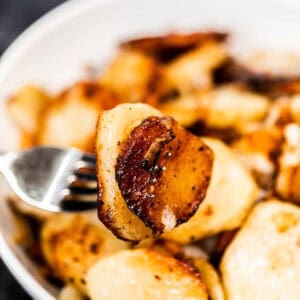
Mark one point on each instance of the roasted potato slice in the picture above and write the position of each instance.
(144, 274)
(229, 198)
(210, 278)
(288, 178)
(168, 47)
(113, 128)
(193, 70)
(163, 172)
(275, 64)
(258, 150)
(263, 261)
(72, 243)
(184, 109)
(154, 158)
(132, 76)
(231, 107)
(27, 106)
(70, 121)
(69, 292)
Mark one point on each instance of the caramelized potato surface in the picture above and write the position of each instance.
(163, 172)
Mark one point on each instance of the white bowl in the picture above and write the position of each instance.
(54, 51)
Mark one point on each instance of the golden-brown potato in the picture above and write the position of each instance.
(193, 70)
(70, 121)
(132, 76)
(167, 47)
(72, 243)
(231, 106)
(139, 163)
(184, 109)
(27, 106)
(163, 172)
(144, 274)
(229, 198)
(263, 260)
(210, 278)
(258, 150)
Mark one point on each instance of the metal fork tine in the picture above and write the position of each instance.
(85, 164)
(76, 181)
(85, 176)
(90, 158)
(82, 190)
(74, 205)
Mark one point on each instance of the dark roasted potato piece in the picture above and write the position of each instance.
(163, 172)
(274, 85)
(168, 47)
(70, 121)
(144, 274)
(151, 160)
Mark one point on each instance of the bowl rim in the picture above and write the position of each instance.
(52, 19)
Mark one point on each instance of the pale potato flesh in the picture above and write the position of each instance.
(229, 198)
(210, 278)
(230, 106)
(144, 274)
(263, 260)
(113, 127)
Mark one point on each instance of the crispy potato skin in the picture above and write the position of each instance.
(70, 121)
(112, 129)
(168, 47)
(144, 274)
(72, 243)
(163, 169)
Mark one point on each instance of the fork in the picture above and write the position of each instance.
(52, 179)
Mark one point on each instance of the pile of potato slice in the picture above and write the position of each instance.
(198, 167)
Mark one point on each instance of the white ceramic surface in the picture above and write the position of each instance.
(54, 51)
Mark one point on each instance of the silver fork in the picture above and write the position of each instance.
(52, 179)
